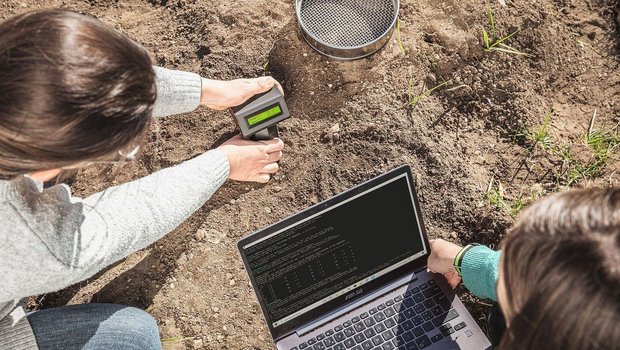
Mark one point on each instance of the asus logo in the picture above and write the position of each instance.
(353, 294)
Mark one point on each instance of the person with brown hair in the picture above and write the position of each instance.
(557, 277)
(72, 92)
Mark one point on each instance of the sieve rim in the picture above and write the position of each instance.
(354, 52)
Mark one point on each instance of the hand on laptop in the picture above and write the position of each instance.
(252, 160)
(441, 260)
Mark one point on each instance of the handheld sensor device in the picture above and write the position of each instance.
(257, 118)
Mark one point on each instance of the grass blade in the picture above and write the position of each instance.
(398, 37)
(485, 37)
(507, 50)
(504, 39)
(490, 13)
(414, 101)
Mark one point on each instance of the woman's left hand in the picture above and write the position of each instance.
(220, 94)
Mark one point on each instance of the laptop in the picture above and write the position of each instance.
(351, 273)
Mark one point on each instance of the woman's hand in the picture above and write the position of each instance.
(252, 160)
(219, 94)
(441, 260)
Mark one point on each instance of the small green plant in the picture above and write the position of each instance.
(413, 100)
(512, 205)
(584, 44)
(494, 43)
(172, 340)
(498, 199)
(573, 169)
(399, 40)
(602, 143)
(540, 136)
(265, 66)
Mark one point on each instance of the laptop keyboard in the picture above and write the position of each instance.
(408, 321)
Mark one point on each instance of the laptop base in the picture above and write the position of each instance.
(420, 311)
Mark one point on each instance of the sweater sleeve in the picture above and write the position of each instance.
(51, 240)
(129, 217)
(479, 270)
(177, 92)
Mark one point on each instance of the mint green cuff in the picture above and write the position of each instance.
(480, 269)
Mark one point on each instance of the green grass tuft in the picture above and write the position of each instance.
(513, 206)
(602, 143)
(494, 43)
(540, 136)
(413, 100)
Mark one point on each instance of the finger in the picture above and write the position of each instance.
(453, 279)
(274, 145)
(264, 84)
(270, 168)
(275, 156)
(262, 178)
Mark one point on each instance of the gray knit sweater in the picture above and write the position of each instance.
(51, 240)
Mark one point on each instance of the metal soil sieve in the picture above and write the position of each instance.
(347, 29)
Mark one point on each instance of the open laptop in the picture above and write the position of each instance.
(350, 273)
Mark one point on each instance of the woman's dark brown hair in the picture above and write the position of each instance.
(72, 90)
(561, 271)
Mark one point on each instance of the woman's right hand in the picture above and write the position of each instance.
(252, 161)
(441, 260)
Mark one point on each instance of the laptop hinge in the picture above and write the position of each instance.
(308, 327)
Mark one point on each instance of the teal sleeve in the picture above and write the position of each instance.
(479, 269)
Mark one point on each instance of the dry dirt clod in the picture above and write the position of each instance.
(335, 128)
(198, 344)
(332, 133)
(200, 235)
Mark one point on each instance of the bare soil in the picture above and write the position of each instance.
(469, 142)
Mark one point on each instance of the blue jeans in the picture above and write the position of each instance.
(95, 326)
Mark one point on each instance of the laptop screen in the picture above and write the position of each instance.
(335, 251)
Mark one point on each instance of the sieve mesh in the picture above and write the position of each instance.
(347, 23)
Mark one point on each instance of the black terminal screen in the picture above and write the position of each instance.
(316, 260)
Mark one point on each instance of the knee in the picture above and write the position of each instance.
(138, 327)
(95, 326)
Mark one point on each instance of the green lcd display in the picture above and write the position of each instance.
(265, 115)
